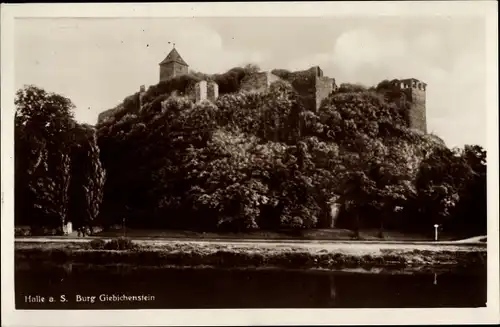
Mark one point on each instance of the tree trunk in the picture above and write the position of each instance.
(357, 224)
(381, 228)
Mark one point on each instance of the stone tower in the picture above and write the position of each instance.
(173, 65)
(413, 95)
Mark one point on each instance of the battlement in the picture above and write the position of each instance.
(411, 83)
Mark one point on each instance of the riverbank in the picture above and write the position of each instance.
(224, 254)
(329, 234)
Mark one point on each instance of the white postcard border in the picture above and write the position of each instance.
(12, 317)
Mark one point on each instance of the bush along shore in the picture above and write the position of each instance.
(125, 251)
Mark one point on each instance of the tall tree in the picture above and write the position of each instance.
(44, 122)
(88, 177)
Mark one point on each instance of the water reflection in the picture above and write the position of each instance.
(250, 288)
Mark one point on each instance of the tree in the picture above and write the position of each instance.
(252, 68)
(59, 177)
(227, 185)
(441, 180)
(88, 177)
(44, 122)
(351, 88)
(472, 207)
(378, 157)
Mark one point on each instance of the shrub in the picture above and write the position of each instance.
(121, 243)
(97, 244)
(22, 231)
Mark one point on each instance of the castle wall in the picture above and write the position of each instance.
(324, 87)
(311, 85)
(417, 109)
(201, 91)
(258, 81)
(206, 91)
(171, 70)
(212, 91)
(305, 85)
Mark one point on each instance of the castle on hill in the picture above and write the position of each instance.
(318, 87)
(314, 88)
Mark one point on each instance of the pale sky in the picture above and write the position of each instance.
(98, 62)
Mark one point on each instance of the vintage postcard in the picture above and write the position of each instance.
(250, 163)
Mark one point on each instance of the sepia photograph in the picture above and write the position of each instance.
(235, 160)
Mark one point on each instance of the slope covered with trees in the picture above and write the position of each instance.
(261, 161)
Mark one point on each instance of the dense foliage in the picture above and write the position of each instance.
(59, 176)
(259, 161)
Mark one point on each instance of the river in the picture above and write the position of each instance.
(74, 286)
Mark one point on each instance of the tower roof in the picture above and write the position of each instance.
(174, 56)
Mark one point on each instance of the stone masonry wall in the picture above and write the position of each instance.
(324, 87)
(305, 85)
(206, 91)
(172, 69)
(416, 112)
(201, 91)
(212, 91)
(258, 81)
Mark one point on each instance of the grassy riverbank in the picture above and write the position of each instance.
(252, 255)
(330, 234)
(307, 234)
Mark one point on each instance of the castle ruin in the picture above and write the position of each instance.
(206, 90)
(311, 85)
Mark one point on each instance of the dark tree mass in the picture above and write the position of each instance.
(249, 160)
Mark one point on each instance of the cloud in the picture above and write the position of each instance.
(455, 95)
(98, 70)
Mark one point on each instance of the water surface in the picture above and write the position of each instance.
(191, 288)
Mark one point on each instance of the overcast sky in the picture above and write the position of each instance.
(98, 62)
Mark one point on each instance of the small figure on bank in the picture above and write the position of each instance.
(83, 231)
